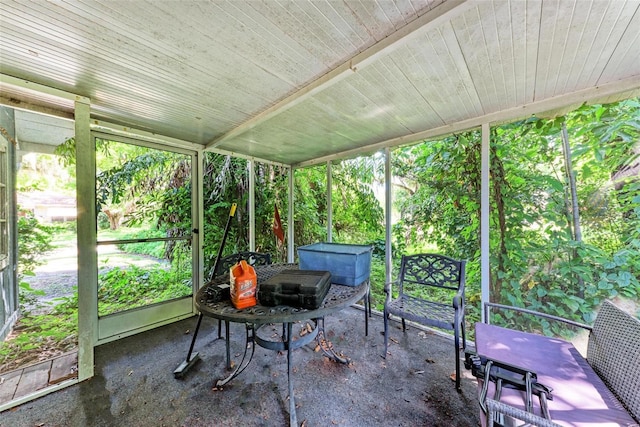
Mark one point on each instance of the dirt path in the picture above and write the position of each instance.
(58, 276)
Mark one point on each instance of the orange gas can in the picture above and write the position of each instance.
(243, 285)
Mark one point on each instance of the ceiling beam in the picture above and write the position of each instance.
(504, 116)
(38, 88)
(18, 104)
(61, 104)
(431, 19)
(36, 147)
(132, 133)
(156, 138)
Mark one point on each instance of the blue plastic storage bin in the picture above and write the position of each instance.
(349, 264)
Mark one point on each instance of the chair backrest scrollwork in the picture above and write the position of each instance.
(432, 270)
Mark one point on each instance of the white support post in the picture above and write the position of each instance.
(198, 220)
(484, 220)
(252, 205)
(86, 235)
(329, 203)
(290, 219)
(387, 215)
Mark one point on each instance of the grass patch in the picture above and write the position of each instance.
(37, 337)
(126, 288)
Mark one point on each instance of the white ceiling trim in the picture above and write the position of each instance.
(437, 16)
(503, 116)
(10, 80)
(36, 108)
(130, 133)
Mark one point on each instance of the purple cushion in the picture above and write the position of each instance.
(580, 398)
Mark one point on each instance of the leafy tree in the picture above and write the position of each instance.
(34, 240)
(535, 258)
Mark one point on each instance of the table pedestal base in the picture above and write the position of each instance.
(289, 344)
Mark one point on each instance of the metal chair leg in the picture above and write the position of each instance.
(293, 418)
(386, 333)
(457, 344)
(367, 312)
(227, 343)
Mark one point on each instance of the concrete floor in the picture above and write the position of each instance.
(134, 383)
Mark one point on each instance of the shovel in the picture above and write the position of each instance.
(192, 358)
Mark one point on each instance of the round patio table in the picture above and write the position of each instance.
(337, 298)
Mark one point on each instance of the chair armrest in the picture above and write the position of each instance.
(388, 288)
(494, 408)
(458, 300)
(488, 305)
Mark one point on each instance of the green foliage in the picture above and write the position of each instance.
(59, 326)
(34, 240)
(154, 249)
(226, 181)
(377, 282)
(126, 288)
(310, 190)
(29, 298)
(357, 214)
(31, 177)
(137, 177)
(535, 260)
(439, 202)
(103, 221)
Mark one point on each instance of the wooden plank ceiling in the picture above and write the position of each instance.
(299, 82)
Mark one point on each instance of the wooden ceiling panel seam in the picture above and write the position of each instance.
(533, 18)
(545, 39)
(625, 58)
(392, 13)
(601, 48)
(507, 50)
(406, 102)
(346, 123)
(156, 41)
(629, 85)
(359, 9)
(566, 46)
(332, 47)
(393, 41)
(480, 62)
(261, 45)
(122, 85)
(515, 36)
(144, 64)
(597, 56)
(430, 74)
(406, 68)
(318, 139)
(447, 45)
(403, 86)
(342, 26)
(63, 58)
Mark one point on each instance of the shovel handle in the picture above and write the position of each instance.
(232, 212)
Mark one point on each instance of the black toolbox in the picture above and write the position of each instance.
(296, 288)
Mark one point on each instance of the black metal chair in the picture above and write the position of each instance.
(225, 264)
(430, 291)
(252, 258)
